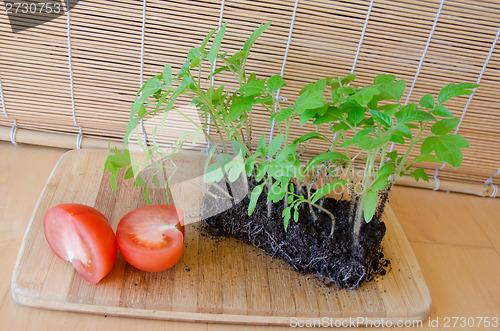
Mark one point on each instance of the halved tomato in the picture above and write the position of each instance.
(151, 238)
(83, 236)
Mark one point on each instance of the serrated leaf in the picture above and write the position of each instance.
(253, 88)
(364, 96)
(355, 115)
(274, 83)
(318, 86)
(308, 100)
(326, 189)
(275, 145)
(447, 148)
(384, 78)
(254, 197)
(427, 101)
(454, 90)
(389, 109)
(442, 111)
(240, 106)
(371, 199)
(381, 118)
(282, 115)
(444, 126)
(419, 173)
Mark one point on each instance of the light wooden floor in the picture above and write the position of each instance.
(456, 239)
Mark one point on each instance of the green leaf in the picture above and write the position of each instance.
(364, 96)
(380, 180)
(132, 124)
(427, 101)
(167, 75)
(254, 197)
(261, 171)
(214, 49)
(286, 214)
(425, 158)
(442, 111)
(240, 106)
(371, 199)
(205, 40)
(131, 171)
(403, 130)
(327, 156)
(419, 173)
(390, 109)
(454, 90)
(253, 88)
(262, 143)
(151, 86)
(308, 100)
(384, 78)
(275, 145)
(381, 118)
(332, 114)
(274, 83)
(395, 138)
(356, 115)
(318, 86)
(277, 192)
(396, 89)
(365, 142)
(447, 148)
(282, 115)
(444, 126)
(327, 188)
(411, 113)
(253, 37)
(309, 136)
(237, 167)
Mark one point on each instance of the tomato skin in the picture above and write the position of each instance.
(151, 238)
(83, 236)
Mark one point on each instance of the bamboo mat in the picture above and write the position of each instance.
(222, 281)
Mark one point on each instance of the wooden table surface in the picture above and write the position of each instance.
(454, 236)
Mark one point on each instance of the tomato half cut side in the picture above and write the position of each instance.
(81, 235)
(151, 238)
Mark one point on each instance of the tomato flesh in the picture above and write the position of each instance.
(151, 238)
(82, 236)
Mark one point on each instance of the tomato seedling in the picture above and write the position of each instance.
(82, 236)
(151, 238)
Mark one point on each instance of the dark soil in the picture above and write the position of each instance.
(307, 245)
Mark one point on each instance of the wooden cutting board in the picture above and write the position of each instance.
(216, 280)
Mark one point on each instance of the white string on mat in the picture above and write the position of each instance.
(285, 56)
(493, 45)
(13, 130)
(209, 117)
(79, 137)
(424, 53)
(141, 74)
(489, 181)
(362, 37)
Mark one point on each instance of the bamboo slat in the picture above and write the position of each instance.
(106, 56)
